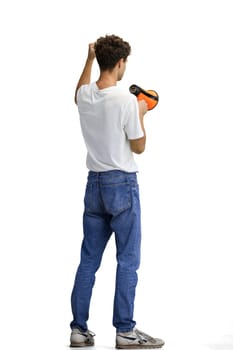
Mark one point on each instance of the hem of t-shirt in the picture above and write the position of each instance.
(107, 171)
(136, 137)
(112, 169)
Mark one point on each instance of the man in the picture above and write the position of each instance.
(113, 129)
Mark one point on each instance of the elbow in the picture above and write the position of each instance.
(138, 145)
(139, 150)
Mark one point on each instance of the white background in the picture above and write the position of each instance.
(183, 50)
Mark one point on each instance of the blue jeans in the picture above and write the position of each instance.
(112, 204)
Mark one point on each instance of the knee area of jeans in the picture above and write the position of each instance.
(129, 263)
(128, 269)
(90, 267)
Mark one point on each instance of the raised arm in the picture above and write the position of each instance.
(138, 145)
(85, 77)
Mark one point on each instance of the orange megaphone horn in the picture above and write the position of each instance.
(150, 96)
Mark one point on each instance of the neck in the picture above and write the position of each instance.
(106, 80)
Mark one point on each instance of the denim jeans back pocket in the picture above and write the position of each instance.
(92, 200)
(116, 197)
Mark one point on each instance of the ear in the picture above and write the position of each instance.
(120, 62)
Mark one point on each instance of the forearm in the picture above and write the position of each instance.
(142, 141)
(138, 145)
(141, 117)
(85, 77)
(142, 112)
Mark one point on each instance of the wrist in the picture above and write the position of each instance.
(90, 59)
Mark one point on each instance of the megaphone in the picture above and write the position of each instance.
(151, 97)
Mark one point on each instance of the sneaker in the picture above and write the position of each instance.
(137, 340)
(79, 338)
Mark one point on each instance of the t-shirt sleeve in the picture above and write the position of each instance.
(79, 92)
(132, 124)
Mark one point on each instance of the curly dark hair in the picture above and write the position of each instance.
(109, 50)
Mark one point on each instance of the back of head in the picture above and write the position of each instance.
(109, 50)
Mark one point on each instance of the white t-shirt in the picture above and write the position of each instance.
(109, 119)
